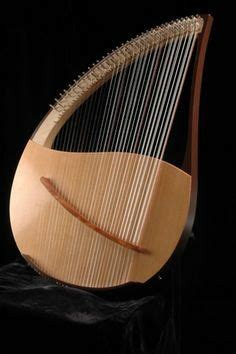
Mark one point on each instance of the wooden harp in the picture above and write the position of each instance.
(93, 203)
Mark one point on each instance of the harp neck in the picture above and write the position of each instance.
(190, 164)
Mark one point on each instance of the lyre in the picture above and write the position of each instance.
(102, 209)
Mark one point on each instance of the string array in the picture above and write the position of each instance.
(129, 117)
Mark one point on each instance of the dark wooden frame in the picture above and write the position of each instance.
(190, 164)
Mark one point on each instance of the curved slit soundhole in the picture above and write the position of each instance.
(72, 210)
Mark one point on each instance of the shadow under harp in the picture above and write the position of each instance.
(94, 203)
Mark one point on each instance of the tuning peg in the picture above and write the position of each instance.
(58, 102)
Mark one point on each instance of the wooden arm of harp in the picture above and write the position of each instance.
(71, 209)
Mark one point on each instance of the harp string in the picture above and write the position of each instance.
(145, 91)
(117, 253)
(67, 226)
(128, 220)
(155, 119)
(90, 142)
(125, 142)
(112, 97)
(130, 96)
(96, 111)
(94, 242)
(87, 268)
(75, 227)
(117, 146)
(157, 93)
(107, 139)
(125, 126)
(109, 125)
(54, 215)
(164, 63)
(123, 218)
(134, 139)
(53, 211)
(64, 139)
(176, 86)
(128, 142)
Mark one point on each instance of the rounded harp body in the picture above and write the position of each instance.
(106, 214)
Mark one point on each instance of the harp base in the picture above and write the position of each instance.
(66, 249)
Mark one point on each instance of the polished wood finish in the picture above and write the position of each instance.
(60, 245)
(71, 209)
(190, 164)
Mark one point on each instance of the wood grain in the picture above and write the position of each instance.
(63, 247)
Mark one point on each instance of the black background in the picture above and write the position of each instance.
(44, 45)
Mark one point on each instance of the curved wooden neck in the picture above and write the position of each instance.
(190, 164)
(102, 72)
